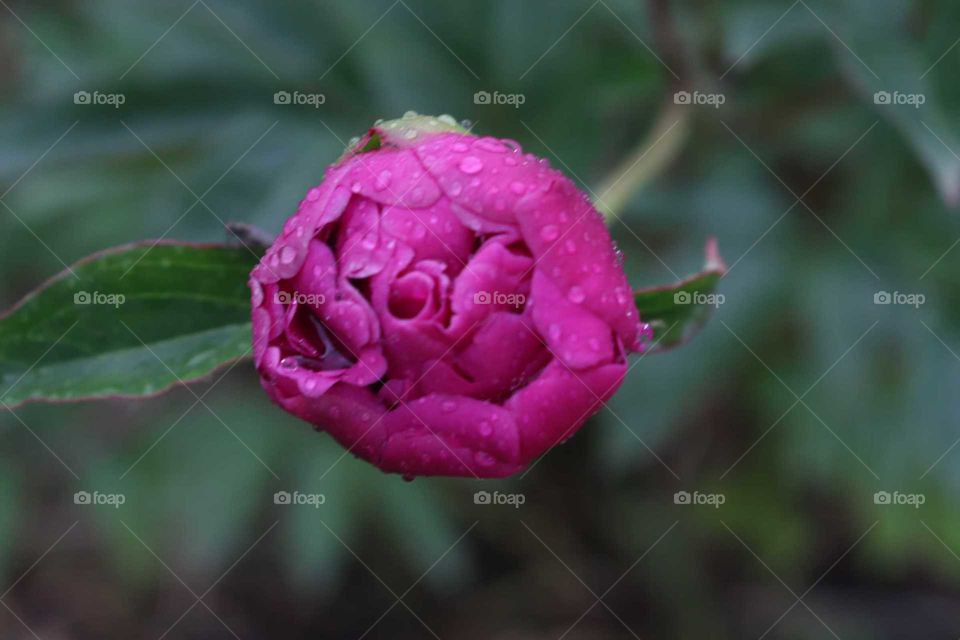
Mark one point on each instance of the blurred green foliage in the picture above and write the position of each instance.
(879, 184)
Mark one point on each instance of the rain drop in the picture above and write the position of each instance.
(549, 232)
(554, 332)
(484, 459)
(471, 165)
(287, 254)
(490, 144)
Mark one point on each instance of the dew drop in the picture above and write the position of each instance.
(576, 295)
(460, 147)
(518, 187)
(355, 187)
(448, 406)
(455, 189)
(287, 254)
(256, 291)
(485, 429)
(549, 232)
(313, 194)
(484, 459)
(490, 144)
(553, 332)
(471, 165)
(383, 180)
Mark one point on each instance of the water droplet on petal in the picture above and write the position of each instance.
(460, 147)
(313, 194)
(287, 254)
(484, 459)
(518, 187)
(549, 232)
(455, 189)
(355, 187)
(485, 429)
(383, 180)
(576, 295)
(256, 290)
(471, 165)
(553, 332)
(448, 406)
(490, 144)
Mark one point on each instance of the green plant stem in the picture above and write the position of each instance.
(646, 161)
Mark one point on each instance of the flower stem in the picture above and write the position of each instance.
(646, 161)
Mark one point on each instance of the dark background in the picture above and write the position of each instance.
(799, 401)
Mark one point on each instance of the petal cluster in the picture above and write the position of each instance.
(443, 304)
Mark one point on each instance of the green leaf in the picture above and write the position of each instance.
(676, 312)
(130, 321)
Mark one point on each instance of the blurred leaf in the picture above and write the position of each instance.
(131, 321)
(676, 312)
